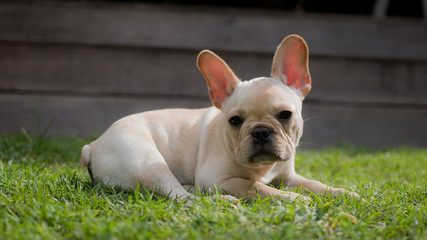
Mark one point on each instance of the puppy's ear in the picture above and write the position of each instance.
(290, 64)
(220, 78)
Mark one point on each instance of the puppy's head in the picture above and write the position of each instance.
(262, 121)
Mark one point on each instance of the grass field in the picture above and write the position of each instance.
(44, 194)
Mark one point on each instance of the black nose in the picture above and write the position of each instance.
(261, 135)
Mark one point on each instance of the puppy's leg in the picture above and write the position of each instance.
(240, 187)
(126, 159)
(158, 177)
(168, 185)
(317, 187)
(190, 188)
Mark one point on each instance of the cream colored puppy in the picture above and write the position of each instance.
(240, 146)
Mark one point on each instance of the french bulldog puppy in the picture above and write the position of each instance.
(240, 146)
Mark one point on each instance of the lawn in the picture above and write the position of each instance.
(44, 194)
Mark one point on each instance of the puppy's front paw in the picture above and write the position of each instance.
(342, 191)
(303, 199)
(227, 198)
(352, 194)
(295, 197)
(189, 200)
(356, 196)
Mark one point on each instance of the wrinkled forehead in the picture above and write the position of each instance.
(265, 93)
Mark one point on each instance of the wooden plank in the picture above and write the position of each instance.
(365, 81)
(77, 115)
(141, 25)
(380, 8)
(100, 70)
(363, 126)
(324, 125)
(87, 70)
(424, 3)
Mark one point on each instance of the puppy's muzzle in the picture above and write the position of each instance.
(263, 150)
(262, 141)
(261, 135)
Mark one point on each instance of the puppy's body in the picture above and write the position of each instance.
(116, 156)
(183, 147)
(246, 141)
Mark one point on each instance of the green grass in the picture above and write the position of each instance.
(44, 194)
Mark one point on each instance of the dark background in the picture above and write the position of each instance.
(74, 67)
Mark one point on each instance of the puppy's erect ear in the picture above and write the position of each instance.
(290, 64)
(220, 78)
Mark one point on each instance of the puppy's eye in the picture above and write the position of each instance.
(284, 115)
(235, 121)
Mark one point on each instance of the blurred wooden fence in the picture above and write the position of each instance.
(83, 65)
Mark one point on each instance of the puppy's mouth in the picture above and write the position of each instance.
(263, 147)
(264, 154)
